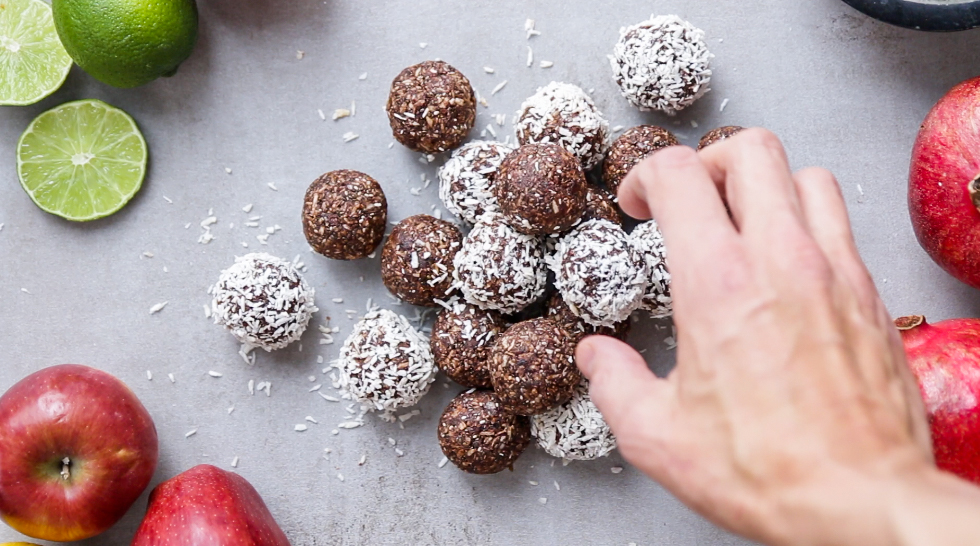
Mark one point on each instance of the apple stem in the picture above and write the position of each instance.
(974, 188)
(65, 473)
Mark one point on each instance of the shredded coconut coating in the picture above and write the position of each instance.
(467, 180)
(499, 268)
(662, 64)
(600, 275)
(385, 363)
(263, 301)
(563, 114)
(575, 430)
(648, 240)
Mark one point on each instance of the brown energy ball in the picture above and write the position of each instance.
(431, 107)
(632, 147)
(719, 134)
(541, 189)
(578, 329)
(461, 340)
(600, 205)
(563, 114)
(532, 367)
(344, 215)
(417, 261)
(479, 437)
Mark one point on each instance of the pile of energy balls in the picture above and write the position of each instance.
(545, 261)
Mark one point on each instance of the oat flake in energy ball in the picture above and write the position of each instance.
(431, 107)
(662, 64)
(600, 275)
(499, 268)
(575, 430)
(478, 436)
(385, 364)
(263, 301)
(466, 181)
(648, 240)
(563, 114)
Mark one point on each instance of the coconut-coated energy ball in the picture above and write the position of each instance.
(385, 364)
(563, 114)
(541, 189)
(630, 148)
(647, 239)
(417, 260)
(576, 328)
(599, 273)
(662, 64)
(532, 367)
(431, 107)
(719, 134)
(461, 340)
(263, 301)
(345, 215)
(600, 205)
(467, 180)
(478, 436)
(499, 268)
(575, 430)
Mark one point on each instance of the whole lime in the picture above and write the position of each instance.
(127, 43)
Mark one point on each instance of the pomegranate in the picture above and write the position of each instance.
(944, 183)
(945, 359)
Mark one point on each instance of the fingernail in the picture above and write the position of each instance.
(584, 357)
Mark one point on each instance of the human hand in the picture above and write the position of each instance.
(791, 409)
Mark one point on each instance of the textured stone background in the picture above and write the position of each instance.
(843, 91)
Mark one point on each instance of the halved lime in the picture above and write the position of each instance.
(82, 160)
(33, 63)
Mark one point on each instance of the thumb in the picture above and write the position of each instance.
(629, 396)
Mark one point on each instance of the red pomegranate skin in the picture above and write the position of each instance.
(945, 161)
(945, 359)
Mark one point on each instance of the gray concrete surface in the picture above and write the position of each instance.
(843, 91)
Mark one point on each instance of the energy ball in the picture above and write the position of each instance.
(431, 107)
(467, 180)
(479, 437)
(541, 189)
(499, 268)
(647, 239)
(662, 64)
(563, 114)
(575, 430)
(532, 367)
(263, 301)
(461, 339)
(385, 363)
(600, 275)
(417, 259)
(576, 328)
(719, 134)
(632, 147)
(344, 215)
(600, 205)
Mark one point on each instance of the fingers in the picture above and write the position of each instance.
(674, 186)
(628, 394)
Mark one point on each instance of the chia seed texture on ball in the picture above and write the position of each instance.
(466, 181)
(417, 260)
(541, 189)
(461, 340)
(563, 114)
(263, 301)
(478, 436)
(431, 107)
(344, 215)
(662, 64)
(630, 148)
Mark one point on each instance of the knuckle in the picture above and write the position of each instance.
(673, 157)
(759, 137)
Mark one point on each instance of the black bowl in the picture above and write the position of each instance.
(934, 15)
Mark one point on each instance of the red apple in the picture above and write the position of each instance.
(207, 506)
(945, 359)
(944, 183)
(77, 448)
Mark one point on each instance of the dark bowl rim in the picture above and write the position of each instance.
(915, 15)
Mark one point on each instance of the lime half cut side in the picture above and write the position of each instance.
(33, 63)
(82, 160)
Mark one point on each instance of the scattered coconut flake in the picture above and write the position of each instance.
(532, 482)
(349, 136)
(616, 469)
(319, 112)
(724, 103)
(153, 310)
(362, 77)
(213, 373)
(190, 433)
(529, 28)
(488, 70)
(251, 386)
(234, 462)
(423, 45)
(228, 170)
(543, 500)
(329, 398)
(146, 254)
(231, 409)
(341, 113)
(149, 375)
(499, 87)
(340, 477)
(443, 461)
(170, 376)
(300, 428)
(335, 432)
(557, 487)
(399, 452)
(300, 54)
(547, 64)
(167, 199)
(530, 57)
(362, 460)
(272, 186)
